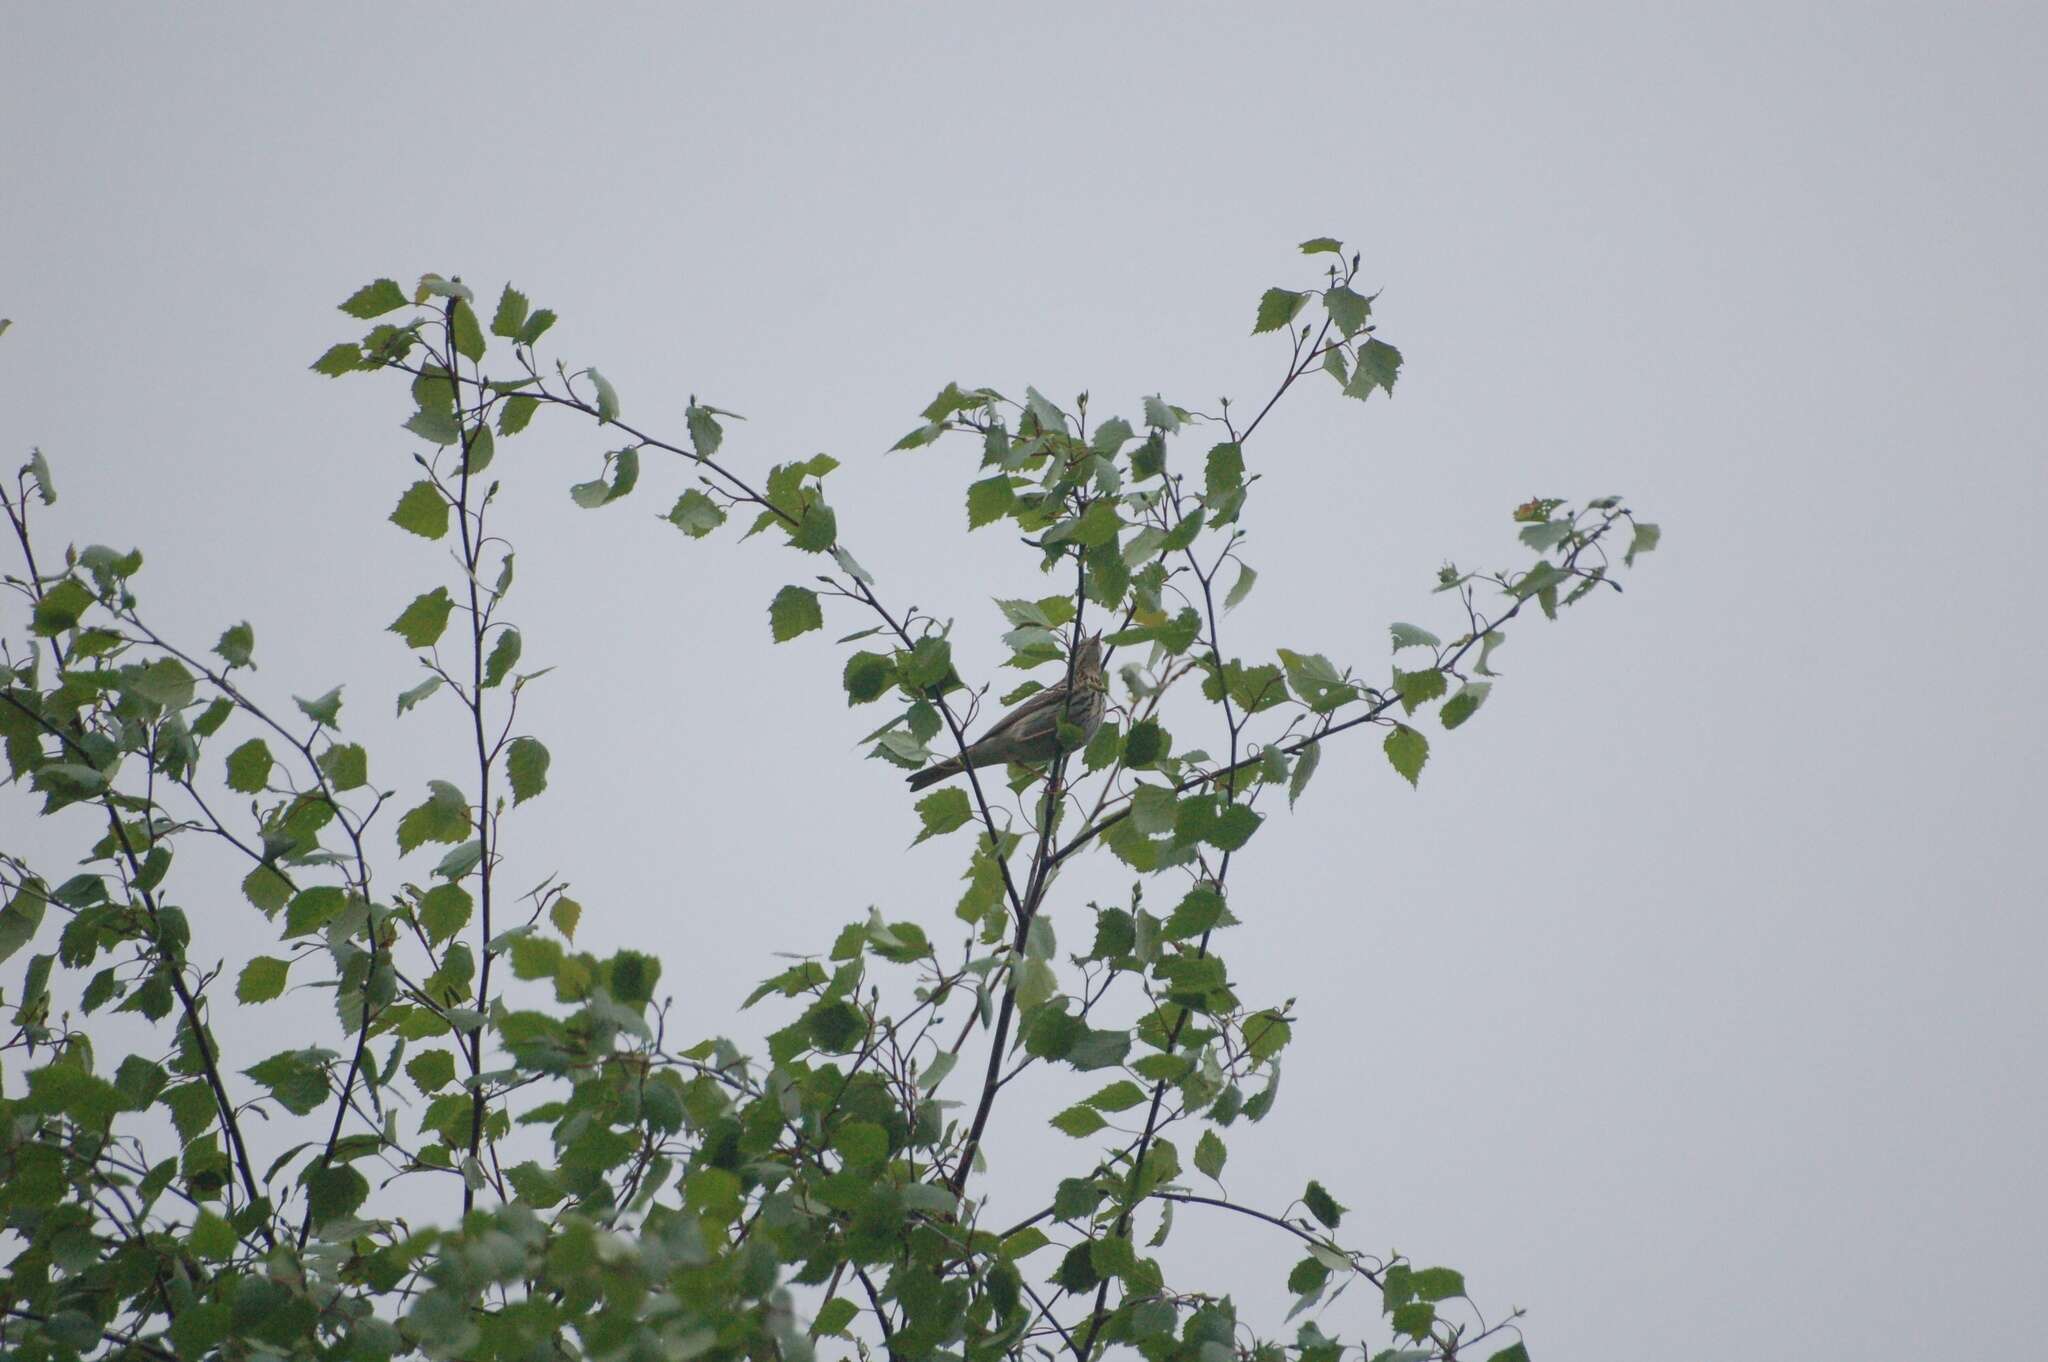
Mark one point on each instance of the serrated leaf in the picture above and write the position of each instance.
(422, 511)
(469, 333)
(1419, 688)
(565, 913)
(504, 656)
(336, 360)
(526, 766)
(422, 623)
(607, 396)
(1322, 1206)
(942, 811)
(1465, 703)
(794, 611)
(989, 500)
(1161, 415)
(511, 314)
(1210, 1155)
(460, 860)
(1322, 243)
(1348, 310)
(374, 299)
(346, 765)
(1278, 308)
(323, 709)
(1379, 364)
(262, 979)
(1412, 636)
(706, 435)
(1407, 750)
(696, 514)
(408, 698)
(1646, 538)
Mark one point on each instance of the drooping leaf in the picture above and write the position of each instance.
(1278, 307)
(422, 623)
(422, 511)
(374, 299)
(696, 514)
(794, 611)
(1407, 750)
(262, 979)
(526, 767)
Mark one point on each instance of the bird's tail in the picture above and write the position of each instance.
(932, 775)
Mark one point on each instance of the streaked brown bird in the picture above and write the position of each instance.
(1030, 733)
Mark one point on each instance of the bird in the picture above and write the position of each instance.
(1030, 732)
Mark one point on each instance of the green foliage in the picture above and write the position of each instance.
(499, 1149)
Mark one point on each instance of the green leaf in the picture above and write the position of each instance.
(625, 474)
(1514, 1352)
(460, 860)
(249, 767)
(323, 709)
(816, 530)
(1078, 1121)
(1277, 309)
(374, 299)
(1161, 415)
(1304, 767)
(444, 910)
(607, 396)
(942, 811)
(1316, 680)
(346, 765)
(1437, 1283)
(1246, 579)
(422, 623)
(1410, 636)
(504, 656)
(294, 1078)
(696, 514)
(1121, 1095)
(1407, 750)
(267, 888)
(1379, 364)
(1419, 688)
(1346, 308)
(565, 913)
(516, 413)
(408, 698)
(21, 917)
(167, 682)
(437, 425)
(336, 360)
(422, 511)
(511, 314)
(442, 817)
(526, 766)
(1225, 469)
(867, 676)
(1322, 1206)
(794, 611)
(60, 608)
(333, 1191)
(237, 644)
(1322, 243)
(1462, 706)
(1646, 539)
(537, 324)
(469, 333)
(989, 500)
(261, 980)
(1210, 1154)
(431, 1070)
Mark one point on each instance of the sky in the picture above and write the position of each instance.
(1692, 1000)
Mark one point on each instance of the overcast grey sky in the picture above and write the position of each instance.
(1692, 1002)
